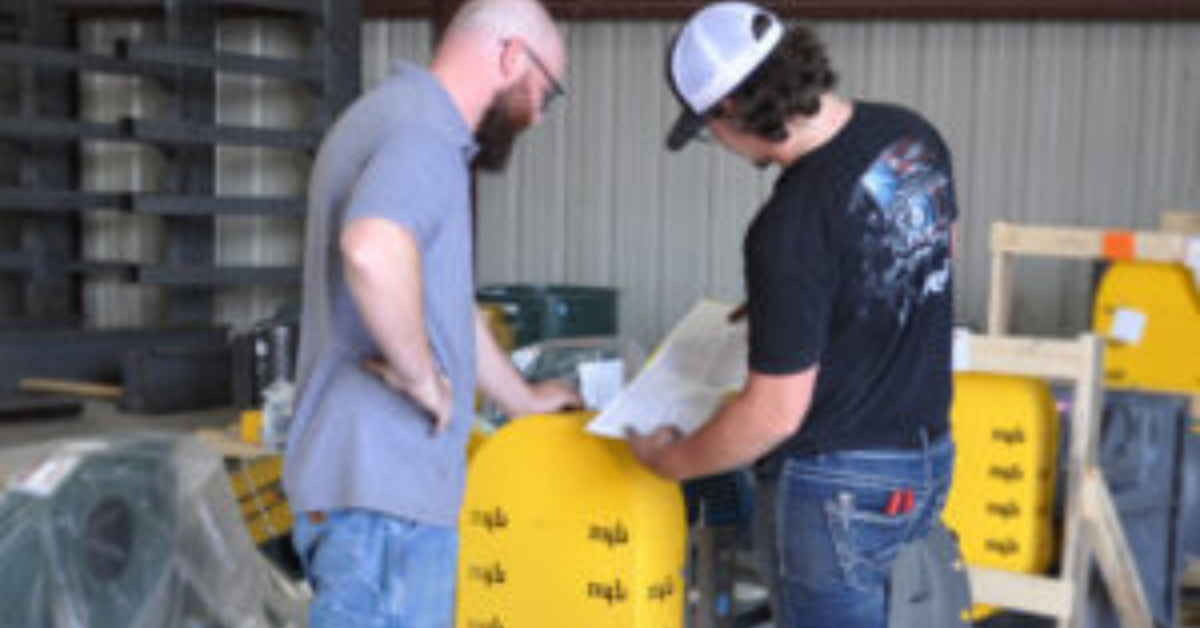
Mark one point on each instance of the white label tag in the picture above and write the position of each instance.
(962, 349)
(1127, 326)
(44, 479)
(601, 382)
(1193, 259)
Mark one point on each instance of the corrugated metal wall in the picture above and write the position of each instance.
(1052, 123)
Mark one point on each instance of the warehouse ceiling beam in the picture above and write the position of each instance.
(846, 9)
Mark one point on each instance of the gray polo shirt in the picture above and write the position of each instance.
(402, 153)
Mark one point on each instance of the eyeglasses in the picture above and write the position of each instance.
(556, 89)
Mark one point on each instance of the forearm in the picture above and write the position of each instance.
(768, 411)
(730, 440)
(498, 378)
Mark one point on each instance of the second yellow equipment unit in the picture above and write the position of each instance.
(1150, 313)
(562, 528)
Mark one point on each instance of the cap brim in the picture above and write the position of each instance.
(684, 129)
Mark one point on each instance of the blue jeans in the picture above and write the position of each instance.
(829, 527)
(369, 570)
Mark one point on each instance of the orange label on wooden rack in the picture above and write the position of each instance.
(1118, 245)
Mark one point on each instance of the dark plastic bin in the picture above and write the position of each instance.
(543, 312)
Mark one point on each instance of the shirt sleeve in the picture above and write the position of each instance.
(946, 164)
(791, 279)
(400, 182)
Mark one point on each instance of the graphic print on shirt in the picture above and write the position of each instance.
(904, 203)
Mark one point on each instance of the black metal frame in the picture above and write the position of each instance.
(42, 203)
(41, 134)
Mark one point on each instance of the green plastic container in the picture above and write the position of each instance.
(543, 312)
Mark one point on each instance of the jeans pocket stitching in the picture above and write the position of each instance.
(838, 523)
(856, 561)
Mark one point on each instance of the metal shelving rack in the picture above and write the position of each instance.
(42, 133)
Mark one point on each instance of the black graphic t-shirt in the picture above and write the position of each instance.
(848, 268)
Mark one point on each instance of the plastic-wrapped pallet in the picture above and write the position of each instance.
(129, 532)
(561, 528)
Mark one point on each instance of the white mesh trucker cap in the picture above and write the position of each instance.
(719, 47)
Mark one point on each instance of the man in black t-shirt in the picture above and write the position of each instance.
(844, 414)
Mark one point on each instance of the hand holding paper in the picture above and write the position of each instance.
(702, 360)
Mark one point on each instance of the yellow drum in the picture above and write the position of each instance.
(1006, 431)
(561, 528)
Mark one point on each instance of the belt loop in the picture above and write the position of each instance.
(926, 456)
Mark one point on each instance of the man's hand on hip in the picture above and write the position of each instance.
(433, 394)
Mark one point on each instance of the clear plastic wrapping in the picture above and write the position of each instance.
(569, 359)
(133, 531)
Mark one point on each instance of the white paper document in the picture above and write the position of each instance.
(600, 382)
(702, 360)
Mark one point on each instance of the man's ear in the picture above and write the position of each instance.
(512, 60)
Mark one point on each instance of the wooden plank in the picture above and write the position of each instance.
(227, 445)
(1085, 444)
(1085, 243)
(70, 387)
(1037, 595)
(1085, 422)
(1000, 292)
(1179, 221)
(1035, 357)
(1113, 554)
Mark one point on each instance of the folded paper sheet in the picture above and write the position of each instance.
(702, 360)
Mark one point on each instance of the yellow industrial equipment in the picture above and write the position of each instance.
(250, 426)
(475, 442)
(256, 485)
(1006, 431)
(561, 528)
(1150, 312)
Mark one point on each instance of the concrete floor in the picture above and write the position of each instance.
(105, 418)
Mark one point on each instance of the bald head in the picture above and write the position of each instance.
(501, 50)
(526, 20)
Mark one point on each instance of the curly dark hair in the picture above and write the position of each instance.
(789, 82)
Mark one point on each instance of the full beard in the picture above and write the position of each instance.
(497, 133)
